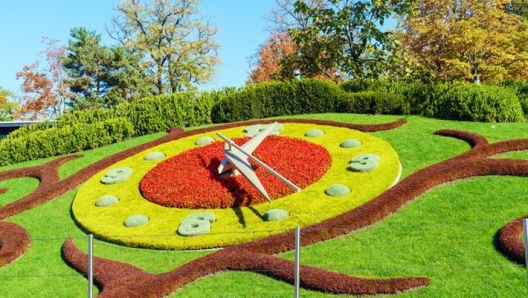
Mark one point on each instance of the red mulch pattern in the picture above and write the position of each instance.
(14, 241)
(509, 240)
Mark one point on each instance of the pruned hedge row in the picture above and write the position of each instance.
(160, 113)
(59, 140)
(466, 102)
(81, 130)
(302, 97)
(521, 90)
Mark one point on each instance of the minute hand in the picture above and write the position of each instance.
(265, 166)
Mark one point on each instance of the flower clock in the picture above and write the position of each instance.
(172, 196)
(181, 192)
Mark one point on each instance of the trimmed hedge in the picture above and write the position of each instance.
(276, 99)
(373, 102)
(480, 103)
(81, 130)
(466, 102)
(302, 97)
(59, 140)
(521, 90)
(89, 129)
(160, 113)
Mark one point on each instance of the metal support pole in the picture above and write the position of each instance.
(90, 265)
(525, 233)
(297, 260)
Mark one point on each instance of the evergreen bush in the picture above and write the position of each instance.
(521, 90)
(277, 99)
(373, 102)
(483, 103)
(59, 140)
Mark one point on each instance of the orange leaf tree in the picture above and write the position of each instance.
(44, 93)
(266, 65)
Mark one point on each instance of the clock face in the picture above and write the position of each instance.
(170, 196)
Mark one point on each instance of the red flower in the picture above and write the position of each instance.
(190, 179)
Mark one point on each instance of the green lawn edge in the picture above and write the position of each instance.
(376, 251)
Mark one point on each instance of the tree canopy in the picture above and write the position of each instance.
(101, 76)
(266, 64)
(177, 47)
(339, 36)
(8, 108)
(462, 39)
(44, 92)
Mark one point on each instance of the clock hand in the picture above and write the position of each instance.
(245, 169)
(252, 144)
(249, 146)
(242, 165)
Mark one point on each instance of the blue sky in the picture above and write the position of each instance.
(23, 23)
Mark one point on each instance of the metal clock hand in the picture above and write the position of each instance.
(237, 157)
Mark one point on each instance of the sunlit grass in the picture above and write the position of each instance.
(447, 234)
(16, 189)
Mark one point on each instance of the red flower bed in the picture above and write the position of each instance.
(190, 179)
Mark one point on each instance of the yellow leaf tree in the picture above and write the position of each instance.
(465, 39)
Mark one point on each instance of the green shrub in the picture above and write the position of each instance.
(373, 102)
(355, 86)
(392, 87)
(276, 99)
(81, 130)
(160, 113)
(61, 139)
(482, 103)
(457, 101)
(521, 90)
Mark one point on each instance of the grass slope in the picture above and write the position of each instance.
(446, 234)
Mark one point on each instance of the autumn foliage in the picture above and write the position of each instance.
(464, 39)
(43, 88)
(267, 65)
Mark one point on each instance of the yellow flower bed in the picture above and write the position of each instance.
(234, 225)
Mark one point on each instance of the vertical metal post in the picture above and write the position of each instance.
(525, 233)
(90, 265)
(297, 260)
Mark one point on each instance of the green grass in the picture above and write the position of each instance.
(17, 188)
(446, 234)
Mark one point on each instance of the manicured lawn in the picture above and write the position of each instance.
(447, 234)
